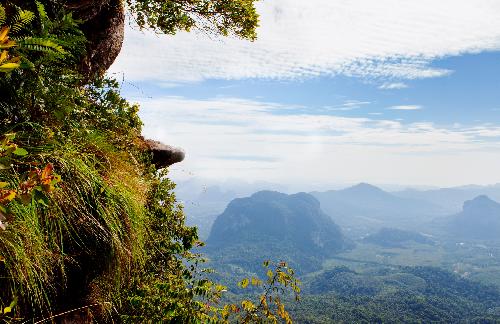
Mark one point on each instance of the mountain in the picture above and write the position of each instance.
(451, 199)
(479, 219)
(205, 199)
(365, 207)
(274, 225)
(392, 237)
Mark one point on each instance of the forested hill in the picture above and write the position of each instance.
(293, 219)
(275, 225)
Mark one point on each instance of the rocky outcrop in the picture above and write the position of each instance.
(163, 155)
(104, 25)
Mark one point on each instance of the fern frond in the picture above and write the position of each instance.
(41, 45)
(3, 15)
(41, 11)
(21, 20)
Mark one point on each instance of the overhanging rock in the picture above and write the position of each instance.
(164, 155)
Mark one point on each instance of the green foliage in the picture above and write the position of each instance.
(270, 307)
(85, 218)
(226, 17)
(18, 40)
(170, 287)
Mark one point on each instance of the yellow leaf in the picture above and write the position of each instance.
(256, 281)
(3, 33)
(7, 44)
(7, 310)
(3, 184)
(8, 67)
(7, 196)
(244, 283)
(3, 56)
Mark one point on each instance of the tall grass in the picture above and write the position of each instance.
(93, 228)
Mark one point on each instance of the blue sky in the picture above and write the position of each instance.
(356, 91)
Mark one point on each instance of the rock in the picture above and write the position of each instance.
(86, 9)
(104, 28)
(164, 155)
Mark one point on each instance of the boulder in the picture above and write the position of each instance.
(163, 155)
(104, 28)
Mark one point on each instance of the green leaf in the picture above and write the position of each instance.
(20, 152)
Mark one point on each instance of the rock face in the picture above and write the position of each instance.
(104, 28)
(163, 155)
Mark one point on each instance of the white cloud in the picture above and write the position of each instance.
(251, 140)
(298, 39)
(347, 105)
(405, 107)
(393, 86)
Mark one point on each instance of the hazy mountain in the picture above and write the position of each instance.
(451, 199)
(205, 199)
(479, 219)
(364, 206)
(275, 225)
(392, 237)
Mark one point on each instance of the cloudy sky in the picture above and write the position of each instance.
(333, 91)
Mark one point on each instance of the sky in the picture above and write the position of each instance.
(332, 91)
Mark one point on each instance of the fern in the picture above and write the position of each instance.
(3, 15)
(41, 11)
(21, 20)
(42, 45)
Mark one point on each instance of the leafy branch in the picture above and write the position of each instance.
(280, 282)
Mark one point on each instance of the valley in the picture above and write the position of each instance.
(359, 250)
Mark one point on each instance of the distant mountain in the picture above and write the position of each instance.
(205, 199)
(451, 199)
(392, 237)
(479, 219)
(274, 225)
(364, 206)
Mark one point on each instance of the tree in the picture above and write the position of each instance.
(226, 17)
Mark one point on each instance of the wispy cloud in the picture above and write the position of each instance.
(301, 39)
(406, 107)
(255, 143)
(393, 86)
(347, 105)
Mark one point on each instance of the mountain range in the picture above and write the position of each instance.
(451, 199)
(366, 208)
